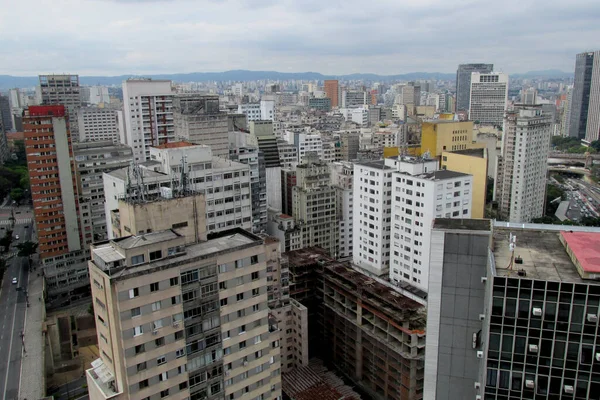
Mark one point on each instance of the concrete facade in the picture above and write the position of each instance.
(183, 321)
(63, 90)
(442, 135)
(98, 124)
(463, 83)
(489, 96)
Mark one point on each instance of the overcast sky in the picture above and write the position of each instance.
(114, 37)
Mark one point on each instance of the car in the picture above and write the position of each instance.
(14, 281)
(17, 237)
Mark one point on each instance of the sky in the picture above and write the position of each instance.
(334, 37)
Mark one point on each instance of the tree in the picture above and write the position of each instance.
(595, 145)
(6, 240)
(27, 249)
(16, 194)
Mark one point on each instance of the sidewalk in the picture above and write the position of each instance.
(33, 375)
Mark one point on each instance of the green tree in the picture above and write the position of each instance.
(27, 249)
(595, 145)
(6, 241)
(16, 194)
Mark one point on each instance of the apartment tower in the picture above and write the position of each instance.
(148, 115)
(521, 171)
(65, 90)
(332, 88)
(183, 321)
(55, 195)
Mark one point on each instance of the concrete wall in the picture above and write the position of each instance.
(456, 300)
(473, 165)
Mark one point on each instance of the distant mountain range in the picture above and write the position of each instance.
(8, 81)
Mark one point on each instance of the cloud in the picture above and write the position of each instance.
(113, 37)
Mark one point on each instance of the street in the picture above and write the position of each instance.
(13, 304)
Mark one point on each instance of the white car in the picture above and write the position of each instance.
(17, 237)
(14, 281)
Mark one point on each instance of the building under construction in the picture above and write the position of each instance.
(361, 326)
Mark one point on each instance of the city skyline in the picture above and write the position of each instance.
(120, 37)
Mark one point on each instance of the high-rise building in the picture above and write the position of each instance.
(342, 178)
(183, 320)
(148, 115)
(332, 88)
(411, 95)
(463, 84)
(372, 194)
(585, 102)
(529, 96)
(258, 183)
(55, 197)
(261, 135)
(306, 144)
(175, 165)
(421, 193)
(198, 120)
(98, 95)
(263, 111)
(100, 124)
(489, 95)
(517, 316)
(520, 184)
(566, 116)
(4, 149)
(92, 160)
(445, 135)
(64, 90)
(314, 206)
(5, 114)
(354, 98)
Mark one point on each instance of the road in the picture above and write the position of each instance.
(13, 308)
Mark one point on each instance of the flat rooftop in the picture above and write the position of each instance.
(462, 224)
(222, 242)
(146, 173)
(442, 174)
(379, 164)
(131, 242)
(174, 145)
(543, 255)
(585, 246)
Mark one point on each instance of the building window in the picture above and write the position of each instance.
(174, 281)
(242, 344)
(254, 260)
(159, 342)
(164, 393)
(137, 331)
(141, 366)
(143, 384)
(139, 349)
(135, 312)
(254, 276)
(156, 306)
(135, 260)
(135, 292)
(155, 255)
(240, 296)
(161, 360)
(154, 287)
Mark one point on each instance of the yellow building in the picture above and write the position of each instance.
(411, 150)
(446, 116)
(474, 162)
(443, 135)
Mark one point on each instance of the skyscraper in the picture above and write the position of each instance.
(5, 114)
(463, 83)
(521, 172)
(55, 196)
(585, 101)
(489, 94)
(148, 115)
(332, 89)
(64, 90)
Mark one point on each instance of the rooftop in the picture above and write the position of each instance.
(132, 242)
(462, 224)
(471, 152)
(443, 174)
(174, 145)
(542, 254)
(379, 164)
(146, 173)
(222, 242)
(585, 246)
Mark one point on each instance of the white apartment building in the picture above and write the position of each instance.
(148, 115)
(263, 111)
(489, 95)
(351, 98)
(421, 193)
(372, 191)
(98, 95)
(521, 170)
(359, 115)
(305, 143)
(226, 184)
(288, 154)
(330, 151)
(100, 124)
(342, 178)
